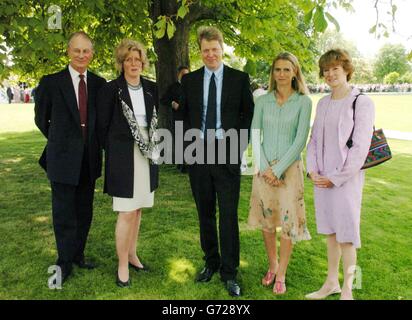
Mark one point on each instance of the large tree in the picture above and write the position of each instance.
(391, 58)
(256, 29)
(332, 39)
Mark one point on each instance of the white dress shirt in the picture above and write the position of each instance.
(219, 84)
(76, 80)
(138, 105)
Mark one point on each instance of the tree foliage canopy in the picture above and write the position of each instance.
(33, 43)
(391, 58)
(255, 28)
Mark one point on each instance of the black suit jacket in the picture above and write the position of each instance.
(57, 116)
(236, 103)
(173, 93)
(116, 137)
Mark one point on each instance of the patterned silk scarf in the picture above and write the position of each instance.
(149, 148)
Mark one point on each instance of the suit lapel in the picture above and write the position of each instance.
(91, 96)
(124, 91)
(67, 89)
(225, 87)
(148, 101)
(198, 93)
(322, 134)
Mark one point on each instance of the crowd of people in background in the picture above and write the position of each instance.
(377, 87)
(23, 94)
(20, 93)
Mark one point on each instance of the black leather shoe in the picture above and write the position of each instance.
(233, 288)
(205, 275)
(144, 269)
(85, 265)
(66, 272)
(122, 284)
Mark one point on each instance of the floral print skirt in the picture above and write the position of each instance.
(272, 207)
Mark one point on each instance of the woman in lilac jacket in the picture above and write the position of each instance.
(335, 169)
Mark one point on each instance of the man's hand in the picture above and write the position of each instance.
(175, 105)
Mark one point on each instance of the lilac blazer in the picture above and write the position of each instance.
(348, 162)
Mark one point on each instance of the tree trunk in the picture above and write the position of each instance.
(174, 52)
(170, 53)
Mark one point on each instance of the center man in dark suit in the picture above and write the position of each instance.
(217, 98)
(65, 112)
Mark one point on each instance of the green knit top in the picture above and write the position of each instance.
(283, 131)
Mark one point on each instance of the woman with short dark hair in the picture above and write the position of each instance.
(335, 168)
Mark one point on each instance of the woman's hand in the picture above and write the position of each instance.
(270, 178)
(313, 175)
(321, 181)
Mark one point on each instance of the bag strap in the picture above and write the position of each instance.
(349, 144)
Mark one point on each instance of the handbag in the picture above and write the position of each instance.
(379, 150)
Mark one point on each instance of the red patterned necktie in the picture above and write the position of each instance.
(83, 105)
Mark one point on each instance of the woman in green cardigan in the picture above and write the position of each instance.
(280, 129)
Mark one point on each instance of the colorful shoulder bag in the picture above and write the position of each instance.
(379, 150)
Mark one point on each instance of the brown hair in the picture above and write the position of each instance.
(336, 57)
(298, 81)
(124, 48)
(209, 34)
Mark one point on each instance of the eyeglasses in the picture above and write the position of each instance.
(133, 60)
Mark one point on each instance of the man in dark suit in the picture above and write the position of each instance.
(10, 94)
(65, 112)
(171, 99)
(215, 99)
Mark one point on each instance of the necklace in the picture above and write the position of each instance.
(135, 88)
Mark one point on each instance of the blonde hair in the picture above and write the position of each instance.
(124, 48)
(298, 81)
(209, 34)
(336, 57)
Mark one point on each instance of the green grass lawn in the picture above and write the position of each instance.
(169, 241)
(393, 112)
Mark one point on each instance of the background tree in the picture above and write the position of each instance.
(391, 58)
(332, 39)
(256, 29)
(391, 78)
(406, 78)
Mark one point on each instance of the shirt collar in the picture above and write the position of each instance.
(75, 74)
(218, 72)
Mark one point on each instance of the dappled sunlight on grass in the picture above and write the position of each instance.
(243, 263)
(42, 219)
(244, 226)
(11, 160)
(373, 180)
(169, 239)
(52, 251)
(181, 270)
